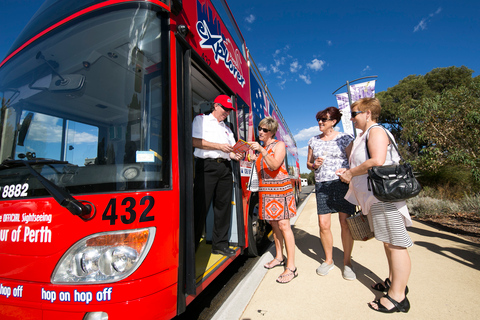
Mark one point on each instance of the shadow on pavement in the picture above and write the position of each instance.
(470, 256)
(310, 246)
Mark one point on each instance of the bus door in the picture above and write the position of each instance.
(196, 92)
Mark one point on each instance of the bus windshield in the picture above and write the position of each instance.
(93, 99)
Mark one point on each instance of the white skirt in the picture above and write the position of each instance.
(389, 225)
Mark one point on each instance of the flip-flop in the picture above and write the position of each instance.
(292, 272)
(280, 264)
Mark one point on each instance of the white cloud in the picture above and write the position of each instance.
(422, 25)
(316, 65)
(262, 68)
(250, 18)
(367, 68)
(306, 78)
(303, 152)
(295, 66)
(329, 42)
(85, 137)
(306, 134)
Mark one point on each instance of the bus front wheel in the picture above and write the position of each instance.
(257, 231)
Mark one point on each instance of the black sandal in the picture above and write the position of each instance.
(403, 306)
(383, 287)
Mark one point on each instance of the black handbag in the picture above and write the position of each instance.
(393, 183)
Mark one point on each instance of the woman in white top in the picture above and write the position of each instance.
(327, 152)
(388, 219)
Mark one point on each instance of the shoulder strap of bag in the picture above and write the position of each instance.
(389, 138)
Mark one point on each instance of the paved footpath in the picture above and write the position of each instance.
(444, 282)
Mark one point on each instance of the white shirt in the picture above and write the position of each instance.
(208, 128)
(358, 192)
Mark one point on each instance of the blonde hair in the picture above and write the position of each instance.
(371, 104)
(270, 123)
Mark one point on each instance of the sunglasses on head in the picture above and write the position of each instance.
(263, 129)
(355, 113)
(323, 119)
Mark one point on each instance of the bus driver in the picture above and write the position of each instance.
(213, 141)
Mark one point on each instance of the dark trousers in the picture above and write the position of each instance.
(213, 180)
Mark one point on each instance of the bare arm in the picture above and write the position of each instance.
(310, 159)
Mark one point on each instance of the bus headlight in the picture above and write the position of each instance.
(104, 257)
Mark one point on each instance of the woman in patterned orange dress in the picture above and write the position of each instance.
(276, 197)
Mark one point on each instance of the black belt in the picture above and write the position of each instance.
(219, 160)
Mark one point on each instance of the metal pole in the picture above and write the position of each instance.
(350, 105)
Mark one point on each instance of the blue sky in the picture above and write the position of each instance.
(307, 49)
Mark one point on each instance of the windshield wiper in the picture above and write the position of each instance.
(60, 195)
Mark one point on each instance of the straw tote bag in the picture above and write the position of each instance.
(359, 226)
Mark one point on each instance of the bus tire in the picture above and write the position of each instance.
(257, 230)
(297, 195)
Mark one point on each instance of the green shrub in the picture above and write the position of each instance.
(449, 182)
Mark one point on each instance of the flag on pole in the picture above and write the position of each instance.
(357, 91)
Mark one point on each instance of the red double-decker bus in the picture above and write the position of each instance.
(96, 173)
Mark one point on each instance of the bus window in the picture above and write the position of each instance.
(96, 97)
(290, 162)
(53, 138)
(243, 114)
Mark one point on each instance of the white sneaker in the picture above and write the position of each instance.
(348, 273)
(325, 268)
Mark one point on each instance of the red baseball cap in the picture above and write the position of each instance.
(225, 101)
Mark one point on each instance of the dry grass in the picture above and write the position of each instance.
(428, 203)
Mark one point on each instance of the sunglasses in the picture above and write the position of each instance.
(262, 129)
(355, 113)
(225, 109)
(323, 119)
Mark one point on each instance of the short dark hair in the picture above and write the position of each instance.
(333, 112)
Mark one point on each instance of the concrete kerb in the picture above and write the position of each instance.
(238, 300)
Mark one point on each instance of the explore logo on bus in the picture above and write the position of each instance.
(219, 45)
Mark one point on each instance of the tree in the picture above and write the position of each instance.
(436, 118)
(449, 126)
